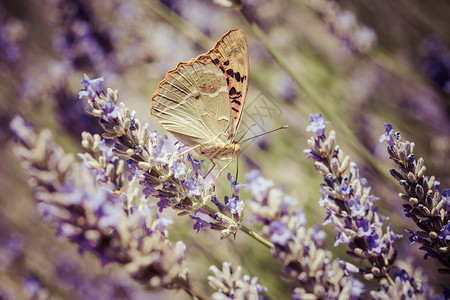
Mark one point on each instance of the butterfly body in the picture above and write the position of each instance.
(219, 150)
(201, 102)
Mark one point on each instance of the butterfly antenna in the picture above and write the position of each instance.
(282, 127)
(248, 129)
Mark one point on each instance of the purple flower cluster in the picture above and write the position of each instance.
(350, 208)
(349, 204)
(298, 248)
(425, 205)
(228, 217)
(162, 174)
(89, 205)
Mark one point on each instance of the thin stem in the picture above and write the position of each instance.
(257, 237)
(245, 229)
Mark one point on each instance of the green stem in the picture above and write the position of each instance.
(245, 229)
(257, 237)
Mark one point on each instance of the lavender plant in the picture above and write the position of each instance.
(350, 208)
(102, 204)
(89, 205)
(425, 205)
(299, 249)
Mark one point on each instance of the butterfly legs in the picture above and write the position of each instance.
(214, 164)
(226, 165)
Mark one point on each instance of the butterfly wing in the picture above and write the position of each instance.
(192, 104)
(230, 55)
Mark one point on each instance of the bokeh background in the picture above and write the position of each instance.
(360, 63)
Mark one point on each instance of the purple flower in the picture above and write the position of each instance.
(159, 149)
(163, 222)
(345, 189)
(300, 218)
(286, 204)
(312, 155)
(257, 184)
(133, 169)
(375, 244)
(445, 233)
(325, 197)
(357, 209)
(348, 267)
(318, 124)
(106, 149)
(356, 288)
(364, 228)
(196, 164)
(199, 223)
(234, 185)
(235, 205)
(92, 87)
(32, 286)
(193, 186)
(280, 233)
(387, 136)
(162, 204)
(110, 109)
(341, 238)
(179, 169)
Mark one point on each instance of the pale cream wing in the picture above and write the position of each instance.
(230, 55)
(192, 104)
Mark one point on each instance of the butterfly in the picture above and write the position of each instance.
(201, 101)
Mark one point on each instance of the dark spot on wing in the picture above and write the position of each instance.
(230, 72)
(226, 63)
(237, 75)
(232, 91)
(228, 81)
(236, 101)
(222, 69)
(235, 109)
(215, 61)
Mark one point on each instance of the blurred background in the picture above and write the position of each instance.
(359, 63)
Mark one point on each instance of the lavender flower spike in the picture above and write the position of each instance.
(230, 283)
(299, 249)
(91, 212)
(425, 205)
(350, 207)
